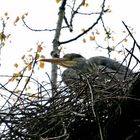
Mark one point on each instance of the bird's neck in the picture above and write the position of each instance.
(87, 67)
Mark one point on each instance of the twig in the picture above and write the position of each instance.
(93, 110)
(131, 34)
(93, 25)
(36, 30)
(133, 55)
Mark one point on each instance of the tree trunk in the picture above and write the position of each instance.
(56, 52)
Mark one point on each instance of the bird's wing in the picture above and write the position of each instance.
(109, 63)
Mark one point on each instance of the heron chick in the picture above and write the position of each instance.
(92, 83)
(100, 70)
(78, 62)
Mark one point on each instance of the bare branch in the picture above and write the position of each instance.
(87, 30)
(131, 34)
(40, 30)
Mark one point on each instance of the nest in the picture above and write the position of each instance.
(91, 107)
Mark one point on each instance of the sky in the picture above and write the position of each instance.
(43, 14)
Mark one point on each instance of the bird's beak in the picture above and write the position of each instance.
(60, 61)
(54, 60)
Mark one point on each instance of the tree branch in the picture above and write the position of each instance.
(131, 34)
(93, 25)
(56, 43)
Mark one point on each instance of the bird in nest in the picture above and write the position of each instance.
(86, 76)
(77, 65)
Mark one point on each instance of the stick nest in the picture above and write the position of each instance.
(86, 109)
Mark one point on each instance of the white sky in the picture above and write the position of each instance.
(43, 14)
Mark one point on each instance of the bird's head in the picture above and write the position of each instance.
(73, 60)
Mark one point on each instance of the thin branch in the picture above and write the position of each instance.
(74, 12)
(93, 108)
(36, 30)
(131, 34)
(41, 30)
(133, 55)
(86, 14)
(87, 30)
(132, 51)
